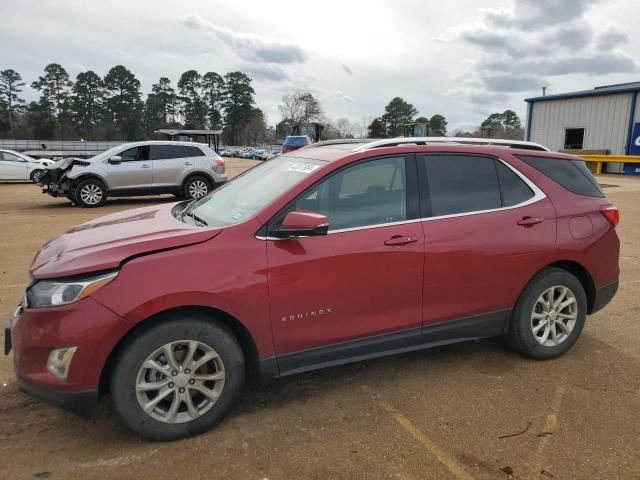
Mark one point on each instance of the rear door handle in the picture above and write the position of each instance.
(400, 240)
(188, 163)
(144, 165)
(529, 221)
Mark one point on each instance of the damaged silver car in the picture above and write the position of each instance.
(185, 169)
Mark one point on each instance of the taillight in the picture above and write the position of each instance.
(611, 213)
(219, 162)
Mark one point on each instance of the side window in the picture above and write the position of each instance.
(10, 157)
(512, 188)
(369, 193)
(461, 183)
(129, 155)
(135, 154)
(192, 152)
(165, 152)
(573, 175)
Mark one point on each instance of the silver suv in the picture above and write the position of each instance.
(185, 169)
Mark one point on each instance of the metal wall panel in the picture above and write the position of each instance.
(605, 120)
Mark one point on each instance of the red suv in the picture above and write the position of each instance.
(335, 253)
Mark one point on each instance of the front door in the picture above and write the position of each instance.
(13, 167)
(488, 231)
(357, 291)
(133, 174)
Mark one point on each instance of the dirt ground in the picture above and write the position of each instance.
(473, 410)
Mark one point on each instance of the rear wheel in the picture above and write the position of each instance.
(178, 379)
(196, 187)
(549, 316)
(90, 193)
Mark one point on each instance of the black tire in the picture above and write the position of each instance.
(82, 194)
(521, 335)
(194, 184)
(35, 175)
(189, 327)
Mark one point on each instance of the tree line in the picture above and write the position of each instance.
(113, 107)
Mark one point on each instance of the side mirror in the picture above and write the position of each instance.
(302, 223)
(115, 159)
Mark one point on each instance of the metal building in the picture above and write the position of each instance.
(605, 118)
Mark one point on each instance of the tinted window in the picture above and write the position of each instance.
(512, 188)
(370, 193)
(135, 154)
(165, 152)
(460, 183)
(193, 152)
(572, 175)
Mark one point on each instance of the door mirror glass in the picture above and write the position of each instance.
(115, 159)
(302, 223)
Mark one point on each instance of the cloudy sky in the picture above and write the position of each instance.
(460, 58)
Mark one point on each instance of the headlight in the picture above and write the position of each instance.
(51, 293)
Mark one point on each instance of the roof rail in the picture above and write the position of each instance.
(392, 142)
(341, 141)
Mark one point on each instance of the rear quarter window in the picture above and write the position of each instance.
(573, 175)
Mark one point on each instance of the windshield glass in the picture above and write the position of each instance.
(248, 194)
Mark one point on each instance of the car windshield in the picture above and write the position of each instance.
(246, 195)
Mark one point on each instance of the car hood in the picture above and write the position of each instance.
(104, 243)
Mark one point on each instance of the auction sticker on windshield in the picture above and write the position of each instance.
(302, 168)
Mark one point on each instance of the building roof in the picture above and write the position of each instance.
(629, 87)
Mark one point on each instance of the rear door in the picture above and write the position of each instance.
(13, 167)
(171, 164)
(488, 231)
(358, 290)
(133, 173)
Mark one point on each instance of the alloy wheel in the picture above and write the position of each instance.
(91, 194)
(198, 189)
(554, 316)
(180, 381)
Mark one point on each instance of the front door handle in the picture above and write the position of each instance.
(144, 165)
(400, 240)
(529, 221)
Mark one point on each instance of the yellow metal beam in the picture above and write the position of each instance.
(612, 158)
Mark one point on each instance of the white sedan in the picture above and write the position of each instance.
(17, 166)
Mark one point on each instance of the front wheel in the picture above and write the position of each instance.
(196, 187)
(178, 379)
(549, 316)
(90, 193)
(35, 175)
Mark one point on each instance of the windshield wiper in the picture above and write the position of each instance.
(198, 219)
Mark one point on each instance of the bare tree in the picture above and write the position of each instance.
(300, 107)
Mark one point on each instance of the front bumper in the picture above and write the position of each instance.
(83, 403)
(34, 333)
(57, 189)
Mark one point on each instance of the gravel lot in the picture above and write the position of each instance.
(473, 410)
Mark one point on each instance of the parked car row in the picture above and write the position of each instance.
(17, 166)
(250, 153)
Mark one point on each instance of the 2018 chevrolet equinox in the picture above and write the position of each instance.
(334, 253)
